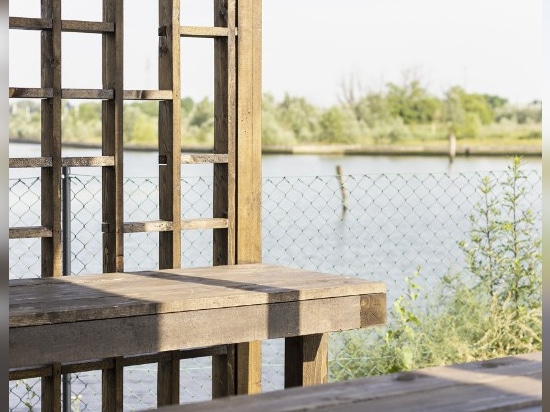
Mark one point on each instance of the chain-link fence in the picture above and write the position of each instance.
(392, 224)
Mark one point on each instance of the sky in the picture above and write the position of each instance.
(310, 47)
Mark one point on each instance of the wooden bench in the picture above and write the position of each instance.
(512, 384)
(79, 318)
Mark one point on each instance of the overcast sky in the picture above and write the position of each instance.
(311, 46)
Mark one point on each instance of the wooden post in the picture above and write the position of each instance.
(249, 170)
(112, 387)
(112, 193)
(170, 133)
(169, 144)
(306, 360)
(51, 390)
(51, 139)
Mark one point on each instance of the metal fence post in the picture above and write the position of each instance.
(66, 241)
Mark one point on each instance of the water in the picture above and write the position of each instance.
(403, 212)
(144, 164)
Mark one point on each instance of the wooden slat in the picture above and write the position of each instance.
(205, 223)
(306, 360)
(132, 335)
(18, 162)
(87, 26)
(31, 93)
(147, 94)
(100, 94)
(95, 161)
(150, 226)
(204, 158)
(29, 232)
(30, 23)
(112, 137)
(204, 32)
(28, 373)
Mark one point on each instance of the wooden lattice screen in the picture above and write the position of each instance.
(236, 158)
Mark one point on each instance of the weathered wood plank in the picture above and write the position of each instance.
(112, 139)
(204, 32)
(306, 360)
(100, 94)
(30, 232)
(205, 223)
(96, 339)
(148, 94)
(73, 299)
(30, 23)
(151, 226)
(112, 387)
(50, 214)
(168, 380)
(204, 158)
(510, 383)
(87, 26)
(50, 397)
(18, 162)
(169, 142)
(31, 93)
(95, 161)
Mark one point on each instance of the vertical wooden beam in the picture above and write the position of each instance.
(168, 379)
(112, 139)
(170, 133)
(225, 96)
(306, 360)
(51, 390)
(112, 387)
(169, 144)
(51, 139)
(249, 170)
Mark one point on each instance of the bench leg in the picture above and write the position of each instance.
(168, 380)
(239, 372)
(306, 360)
(51, 390)
(111, 387)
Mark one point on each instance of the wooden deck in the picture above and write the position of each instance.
(504, 384)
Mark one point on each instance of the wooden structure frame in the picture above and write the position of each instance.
(237, 148)
(302, 313)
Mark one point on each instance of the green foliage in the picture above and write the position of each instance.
(493, 310)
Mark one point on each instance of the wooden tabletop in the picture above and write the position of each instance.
(79, 318)
(111, 295)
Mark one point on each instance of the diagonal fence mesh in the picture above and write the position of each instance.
(379, 227)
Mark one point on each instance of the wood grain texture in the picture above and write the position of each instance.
(112, 387)
(204, 32)
(19, 162)
(29, 232)
(148, 95)
(74, 299)
(50, 397)
(168, 380)
(306, 360)
(511, 383)
(132, 335)
(31, 93)
(30, 23)
(87, 26)
(112, 137)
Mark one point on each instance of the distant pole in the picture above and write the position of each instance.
(342, 190)
(66, 240)
(452, 147)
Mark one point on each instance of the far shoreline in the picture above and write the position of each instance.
(371, 150)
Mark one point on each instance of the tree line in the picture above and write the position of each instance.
(397, 114)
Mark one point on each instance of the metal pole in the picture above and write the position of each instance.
(66, 239)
